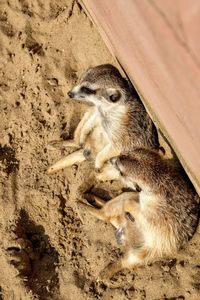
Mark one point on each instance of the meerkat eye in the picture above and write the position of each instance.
(115, 96)
(87, 90)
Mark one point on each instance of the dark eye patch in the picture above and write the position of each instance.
(114, 96)
(87, 90)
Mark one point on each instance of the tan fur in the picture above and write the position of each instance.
(165, 212)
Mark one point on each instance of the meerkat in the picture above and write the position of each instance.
(117, 113)
(165, 211)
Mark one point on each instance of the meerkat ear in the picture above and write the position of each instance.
(113, 95)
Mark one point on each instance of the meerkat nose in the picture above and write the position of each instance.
(70, 94)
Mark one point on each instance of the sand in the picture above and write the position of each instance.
(50, 249)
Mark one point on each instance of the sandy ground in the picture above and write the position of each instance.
(50, 249)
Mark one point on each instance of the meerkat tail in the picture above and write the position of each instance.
(71, 159)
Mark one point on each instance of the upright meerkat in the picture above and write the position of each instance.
(117, 111)
(165, 212)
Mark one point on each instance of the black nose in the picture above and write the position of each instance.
(70, 94)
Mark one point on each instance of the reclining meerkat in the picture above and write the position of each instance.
(118, 117)
(165, 212)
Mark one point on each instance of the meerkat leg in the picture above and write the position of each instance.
(98, 213)
(75, 143)
(71, 159)
(81, 125)
(89, 126)
(115, 207)
(117, 221)
(104, 155)
(109, 172)
(132, 206)
(126, 202)
(132, 259)
(99, 201)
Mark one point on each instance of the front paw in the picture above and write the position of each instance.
(87, 154)
(81, 140)
(98, 170)
(98, 167)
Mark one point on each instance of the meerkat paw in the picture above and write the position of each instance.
(109, 172)
(102, 174)
(110, 271)
(97, 212)
(87, 154)
(98, 170)
(19, 254)
(98, 167)
(82, 140)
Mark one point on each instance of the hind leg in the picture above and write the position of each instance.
(99, 201)
(112, 208)
(113, 211)
(60, 144)
(104, 155)
(132, 259)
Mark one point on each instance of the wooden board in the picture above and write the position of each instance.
(157, 43)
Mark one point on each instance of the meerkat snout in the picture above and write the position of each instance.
(82, 92)
(70, 94)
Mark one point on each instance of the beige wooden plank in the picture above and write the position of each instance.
(164, 72)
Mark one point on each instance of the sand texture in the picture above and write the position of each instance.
(50, 249)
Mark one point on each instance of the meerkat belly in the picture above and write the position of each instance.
(115, 136)
(112, 124)
(99, 138)
(157, 230)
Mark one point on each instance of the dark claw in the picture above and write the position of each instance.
(120, 235)
(87, 153)
(128, 216)
(113, 160)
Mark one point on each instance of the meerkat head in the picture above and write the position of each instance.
(101, 85)
(125, 164)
